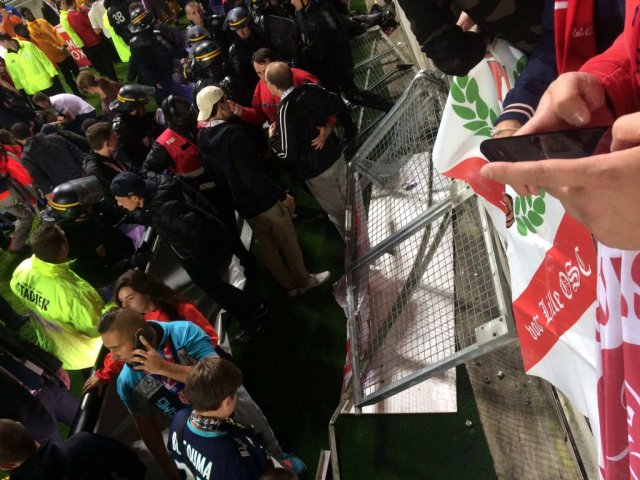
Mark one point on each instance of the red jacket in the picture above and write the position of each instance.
(264, 105)
(79, 21)
(618, 69)
(187, 311)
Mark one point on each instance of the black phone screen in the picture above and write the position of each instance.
(567, 144)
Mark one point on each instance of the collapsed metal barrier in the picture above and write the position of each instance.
(381, 67)
(424, 289)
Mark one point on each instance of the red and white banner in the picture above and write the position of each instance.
(552, 258)
(76, 52)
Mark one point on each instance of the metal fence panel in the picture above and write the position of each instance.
(380, 67)
(425, 290)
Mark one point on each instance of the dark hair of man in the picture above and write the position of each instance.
(97, 134)
(48, 116)
(40, 97)
(279, 474)
(134, 5)
(264, 55)
(210, 381)
(16, 443)
(192, 4)
(125, 321)
(163, 297)
(20, 131)
(24, 10)
(22, 30)
(279, 75)
(86, 123)
(6, 137)
(4, 37)
(3, 5)
(47, 241)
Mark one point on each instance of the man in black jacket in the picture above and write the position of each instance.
(302, 111)
(50, 159)
(234, 164)
(196, 235)
(103, 160)
(327, 52)
(84, 456)
(176, 150)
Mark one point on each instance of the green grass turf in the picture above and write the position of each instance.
(416, 447)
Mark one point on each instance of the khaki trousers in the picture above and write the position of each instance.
(277, 237)
(330, 190)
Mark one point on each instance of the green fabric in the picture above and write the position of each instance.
(121, 47)
(67, 310)
(30, 69)
(64, 21)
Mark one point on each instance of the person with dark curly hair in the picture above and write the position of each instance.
(139, 291)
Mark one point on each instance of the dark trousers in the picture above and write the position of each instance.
(76, 125)
(227, 215)
(70, 72)
(240, 305)
(101, 59)
(54, 89)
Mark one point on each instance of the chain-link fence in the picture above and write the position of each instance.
(381, 68)
(424, 291)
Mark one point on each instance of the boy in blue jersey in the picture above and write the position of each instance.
(158, 357)
(206, 441)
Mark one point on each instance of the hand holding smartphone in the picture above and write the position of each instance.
(568, 144)
(138, 345)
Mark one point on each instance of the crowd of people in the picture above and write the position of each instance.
(244, 82)
(84, 186)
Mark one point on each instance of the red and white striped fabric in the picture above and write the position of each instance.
(551, 257)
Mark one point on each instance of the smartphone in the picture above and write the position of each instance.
(139, 345)
(567, 144)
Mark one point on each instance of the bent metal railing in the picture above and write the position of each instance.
(424, 290)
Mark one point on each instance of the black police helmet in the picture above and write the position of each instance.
(178, 111)
(140, 20)
(206, 53)
(129, 97)
(237, 18)
(197, 33)
(71, 199)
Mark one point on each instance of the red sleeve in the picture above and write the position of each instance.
(613, 69)
(189, 312)
(110, 370)
(616, 67)
(18, 172)
(302, 76)
(254, 114)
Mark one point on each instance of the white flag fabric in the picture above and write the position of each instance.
(551, 257)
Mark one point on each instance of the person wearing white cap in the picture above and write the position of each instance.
(235, 167)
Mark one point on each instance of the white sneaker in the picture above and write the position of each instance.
(315, 280)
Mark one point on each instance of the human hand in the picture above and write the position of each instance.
(290, 203)
(599, 191)
(149, 359)
(94, 382)
(323, 134)
(573, 100)
(465, 22)
(64, 377)
(273, 130)
(625, 132)
(235, 108)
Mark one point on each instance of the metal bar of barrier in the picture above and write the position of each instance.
(443, 365)
(414, 278)
(429, 216)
